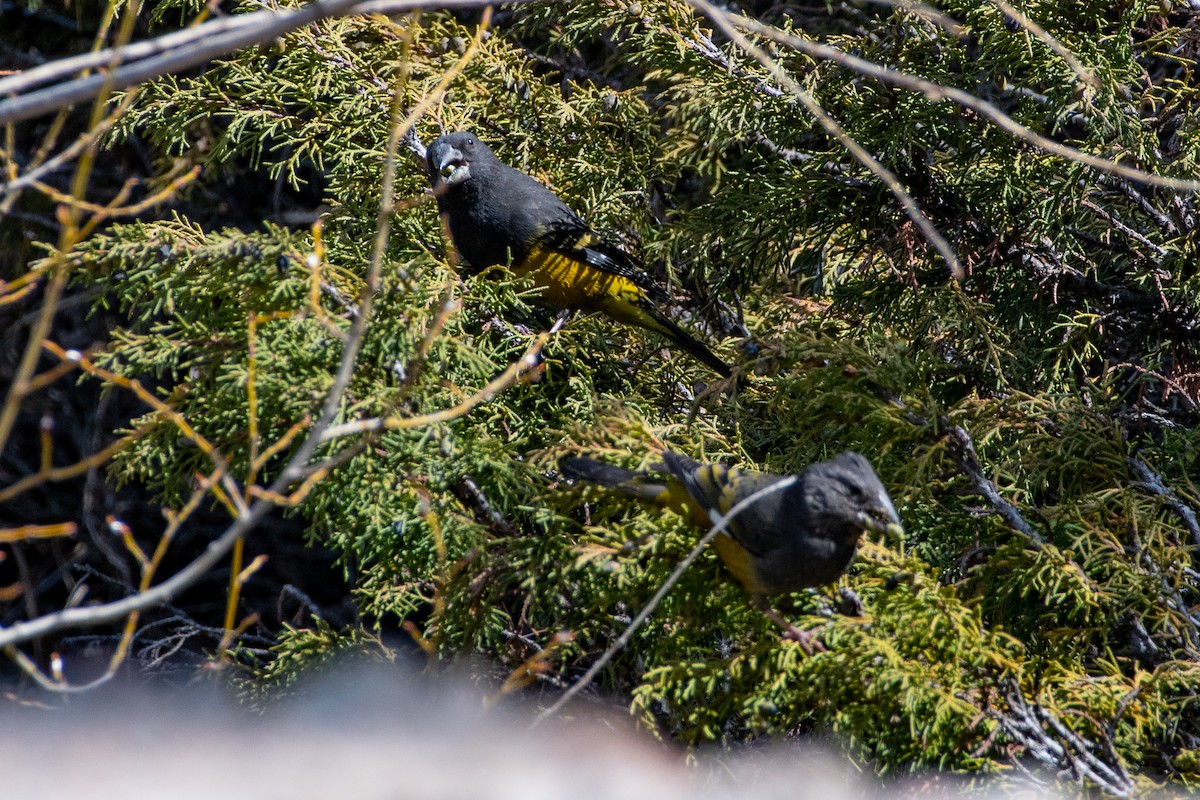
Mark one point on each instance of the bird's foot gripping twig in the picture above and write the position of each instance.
(805, 639)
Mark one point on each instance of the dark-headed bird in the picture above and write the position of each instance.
(500, 215)
(795, 538)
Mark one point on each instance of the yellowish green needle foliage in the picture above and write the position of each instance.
(1035, 424)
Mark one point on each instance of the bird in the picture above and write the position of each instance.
(498, 215)
(799, 537)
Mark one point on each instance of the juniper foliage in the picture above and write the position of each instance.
(1067, 359)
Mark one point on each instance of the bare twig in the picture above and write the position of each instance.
(937, 92)
(1081, 72)
(1157, 250)
(962, 450)
(270, 24)
(718, 527)
(1164, 222)
(831, 126)
(1151, 481)
(182, 50)
(86, 139)
(1048, 740)
(515, 371)
(1158, 376)
(470, 495)
(928, 13)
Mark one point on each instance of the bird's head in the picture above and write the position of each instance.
(847, 494)
(453, 158)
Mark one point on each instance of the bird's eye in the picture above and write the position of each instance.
(855, 491)
(470, 142)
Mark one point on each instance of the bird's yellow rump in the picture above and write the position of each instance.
(499, 215)
(802, 536)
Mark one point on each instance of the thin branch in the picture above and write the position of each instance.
(962, 450)
(399, 129)
(27, 532)
(1152, 482)
(718, 527)
(1124, 187)
(937, 92)
(1081, 72)
(136, 388)
(23, 375)
(181, 50)
(157, 595)
(831, 126)
(1158, 250)
(114, 207)
(86, 139)
(928, 13)
(516, 370)
(1158, 376)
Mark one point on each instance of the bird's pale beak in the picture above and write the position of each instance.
(883, 519)
(453, 167)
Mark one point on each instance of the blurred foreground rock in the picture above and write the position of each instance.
(376, 734)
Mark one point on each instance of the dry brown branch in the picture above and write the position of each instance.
(1170, 383)
(245, 514)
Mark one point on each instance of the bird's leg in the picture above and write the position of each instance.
(790, 631)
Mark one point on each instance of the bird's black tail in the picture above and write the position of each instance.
(642, 311)
(682, 338)
(593, 471)
(610, 477)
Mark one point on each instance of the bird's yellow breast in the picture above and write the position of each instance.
(739, 562)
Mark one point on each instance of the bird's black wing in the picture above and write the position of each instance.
(572, 237)
(719, 487)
